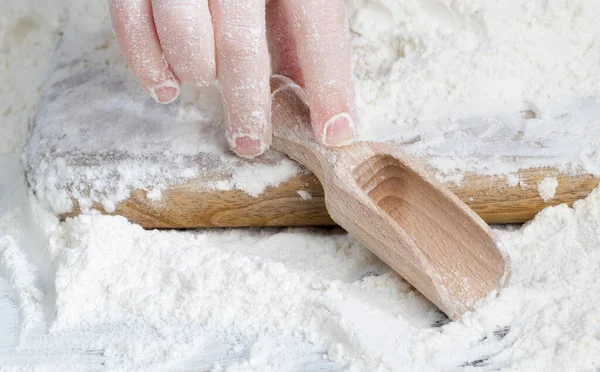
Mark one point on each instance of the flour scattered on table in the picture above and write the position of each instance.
(481, 86)
(547, 188)
(273, 298)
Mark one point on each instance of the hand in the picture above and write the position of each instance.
(169, 42)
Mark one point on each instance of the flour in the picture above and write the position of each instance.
(513, 180)
(547, 188)
(304, 195)
(155, 194)
(253, 180)
(481, 86)
(99, 293)
(21, 44)
(259, 292)
(418, 61)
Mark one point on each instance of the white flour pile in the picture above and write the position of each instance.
(484, 86)
(98, 293)
(518, 55)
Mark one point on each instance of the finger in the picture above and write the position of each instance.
(324, 50)
(282, 45)
(243, 70)
(138, 41)
(185, 31)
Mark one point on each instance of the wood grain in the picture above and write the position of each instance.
(194, 205)
(492, 199)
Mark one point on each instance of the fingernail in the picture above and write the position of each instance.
(248, 146)
(339, 130)
(165, 93)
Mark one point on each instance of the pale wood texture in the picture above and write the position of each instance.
(396, 208)
(194, 205)
(497, 203)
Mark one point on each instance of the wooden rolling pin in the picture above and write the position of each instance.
(194, 204)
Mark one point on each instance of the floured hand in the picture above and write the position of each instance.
(170, 42)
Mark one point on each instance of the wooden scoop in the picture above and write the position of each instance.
(399, 211)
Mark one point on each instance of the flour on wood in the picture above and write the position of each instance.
(513, 180)
(547, 188)
(304, 195)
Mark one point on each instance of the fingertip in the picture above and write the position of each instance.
(340, 130)
(337, 130)
(243, 70)
(326, 62)
(138, 41)
(249, 134)
(165, 93)
(248, 145)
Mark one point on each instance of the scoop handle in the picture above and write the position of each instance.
(292, 133)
